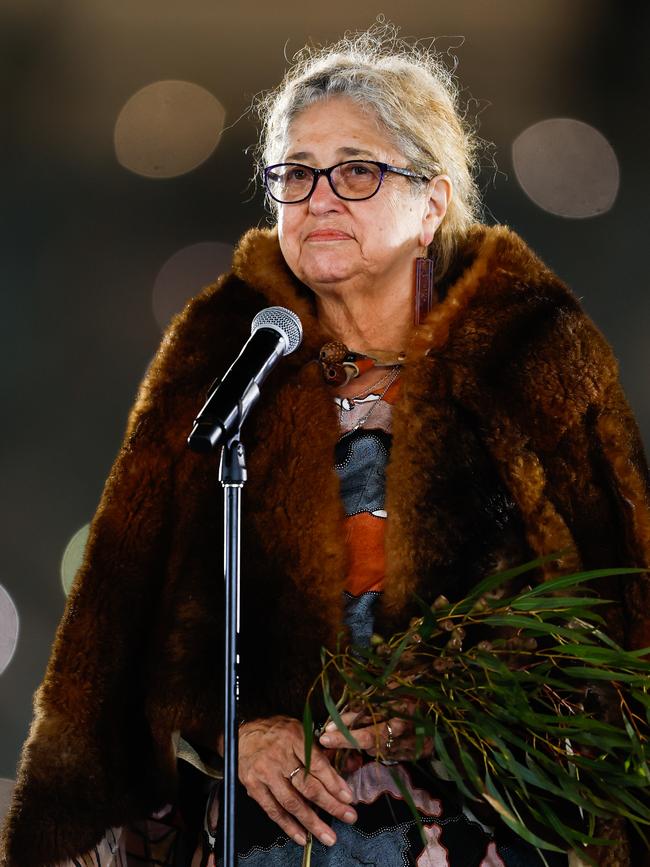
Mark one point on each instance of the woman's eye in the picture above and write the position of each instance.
(296, 175)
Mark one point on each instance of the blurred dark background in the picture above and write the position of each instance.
(125, 183)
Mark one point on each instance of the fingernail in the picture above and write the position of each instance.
(326, 739)
(328, 839)
(346, 795)
(330, 726)
(350, 816)
(300, 839)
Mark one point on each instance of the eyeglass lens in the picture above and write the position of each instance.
(352, 180)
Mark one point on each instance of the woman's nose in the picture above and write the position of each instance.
(323, 197)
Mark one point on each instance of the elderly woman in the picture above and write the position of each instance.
(402, 450)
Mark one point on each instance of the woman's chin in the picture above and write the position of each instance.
(325, 271)
(324, 280)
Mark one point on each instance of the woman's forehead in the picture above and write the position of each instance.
(339, 128)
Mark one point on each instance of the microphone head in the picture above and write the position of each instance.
(285, 322)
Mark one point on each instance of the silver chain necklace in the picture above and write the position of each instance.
(391, 376)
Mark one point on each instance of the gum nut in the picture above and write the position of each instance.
(416, 638)
(439, 602)
(454, 644)
(480, 605)
(447, 625)
(416, 622)
(376, 640)
(439, 664)
(384, 650)
(531, 644)
(484, 645)
(458, 632)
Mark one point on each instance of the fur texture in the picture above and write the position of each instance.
(512, 438)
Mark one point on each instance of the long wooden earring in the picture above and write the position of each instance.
(424, 289)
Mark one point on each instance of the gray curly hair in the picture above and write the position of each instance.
(416, 99)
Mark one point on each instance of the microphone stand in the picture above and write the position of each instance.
(232, 475)
(275, 332)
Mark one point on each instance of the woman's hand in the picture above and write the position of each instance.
(399, 742)
(269, 750)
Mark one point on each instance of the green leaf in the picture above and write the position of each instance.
(410, 803)
(588, 673)
(500, 579)
(531, 624)
(395, 657)
(493, 797)
(615, 656)
(308, 734)
(562, 582)
(573, 837)
(470, 766)
(532, 603)
(336, 716)
(449, 765)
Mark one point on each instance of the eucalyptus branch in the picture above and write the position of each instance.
(530, 706)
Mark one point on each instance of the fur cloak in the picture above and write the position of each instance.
(511, 439)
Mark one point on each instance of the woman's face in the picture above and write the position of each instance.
(328, 241)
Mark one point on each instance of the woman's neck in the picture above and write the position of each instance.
(366, 322)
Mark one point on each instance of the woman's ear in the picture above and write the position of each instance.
(439, 194)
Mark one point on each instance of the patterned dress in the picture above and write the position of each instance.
(386, 834)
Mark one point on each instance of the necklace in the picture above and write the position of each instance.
(366, 391)
(389, 379)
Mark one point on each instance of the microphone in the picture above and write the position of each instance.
(275, 331)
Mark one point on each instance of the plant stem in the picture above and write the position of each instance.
(306, 854)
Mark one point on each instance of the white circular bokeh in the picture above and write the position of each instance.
(185, 273)
(168, 128)
(8, 628)
(73, 557)
(567, 167)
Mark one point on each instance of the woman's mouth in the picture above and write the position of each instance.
(328, 235)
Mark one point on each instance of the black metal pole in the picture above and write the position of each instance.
(232, 475)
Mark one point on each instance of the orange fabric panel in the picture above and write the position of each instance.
(367, 563)
(392, 394)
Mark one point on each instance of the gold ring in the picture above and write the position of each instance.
(295, 771)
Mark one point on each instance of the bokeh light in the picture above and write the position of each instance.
(6, 790)
(184, 275)
(73, 557)
(567, 167)
(168, 128)
(8, 628)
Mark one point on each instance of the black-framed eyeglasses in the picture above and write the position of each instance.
(353, 180)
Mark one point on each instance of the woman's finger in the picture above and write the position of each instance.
(321, 768)
(313, 790)
(295, 808)
(368, 737)
(277, 814)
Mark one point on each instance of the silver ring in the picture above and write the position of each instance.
(389, 742)
(295, 771)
